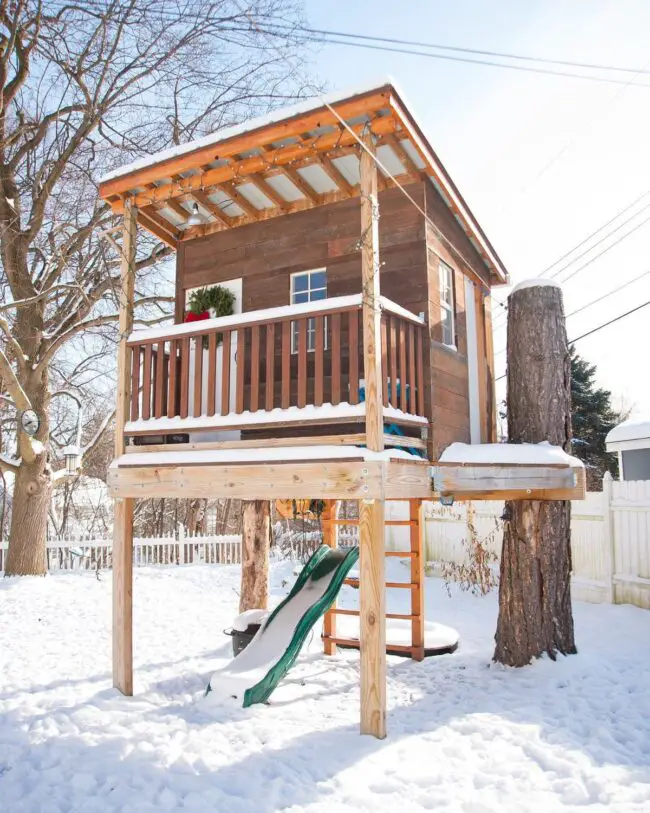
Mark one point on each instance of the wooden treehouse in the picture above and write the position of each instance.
(359, 346)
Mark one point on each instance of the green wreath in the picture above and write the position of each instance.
(213, 302)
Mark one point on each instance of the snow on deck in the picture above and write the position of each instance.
(324, 413)
(508, 454)
(276, 454)
(464, 736)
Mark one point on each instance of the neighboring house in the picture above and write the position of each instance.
(81, 507)
(631, 441)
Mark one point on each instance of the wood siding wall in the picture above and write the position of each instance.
(265, 254)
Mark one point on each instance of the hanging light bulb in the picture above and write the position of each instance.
(195, 218)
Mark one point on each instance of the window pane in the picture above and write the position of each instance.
(320, 294)
(447, 324)
(300, 297)
(300, 282)
(318, 279)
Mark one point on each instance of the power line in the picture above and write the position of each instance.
(324, 37)
(600, 327)
(586, 239)
(459, 49)
(597, 300)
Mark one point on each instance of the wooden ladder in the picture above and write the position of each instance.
(415, 585)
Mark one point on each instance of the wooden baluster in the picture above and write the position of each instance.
(393, 362)
(384, 360)
(403, 375)
(353, 341)
(319, 349)
(255, 368)
(226, 351)
(146, 382)
(160, 380)
(212, 374)
(270, 366)
(241, 370)
(185, 376)
(198, 376)
(336, 358)
(302, 361)
(135, 382)
(412, 385)
(420, 371)
(286, 365)
(172, 406)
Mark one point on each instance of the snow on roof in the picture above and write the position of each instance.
(636, 429)
(508, 454)
(274, 116)
(539, 282)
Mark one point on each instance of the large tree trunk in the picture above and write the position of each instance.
(256, 537)
(32, 494)
(535, 586)
(27, 554)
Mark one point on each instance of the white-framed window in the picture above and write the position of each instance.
(307, 286)
(447, 305)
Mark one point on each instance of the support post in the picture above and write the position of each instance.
(372, 620)
(416, 529)
(370, 309)
(329, 538)
(123, 521)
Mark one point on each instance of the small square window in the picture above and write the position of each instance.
(308, 286)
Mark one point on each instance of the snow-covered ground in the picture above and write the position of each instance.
(464, 735)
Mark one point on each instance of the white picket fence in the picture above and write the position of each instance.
(87, 553)
(610, 540)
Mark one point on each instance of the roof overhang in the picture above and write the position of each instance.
(629, 435)
(291, 160)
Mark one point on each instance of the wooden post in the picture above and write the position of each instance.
(372, 582)
(329, 538)
(416, 529)
(123, 520)
(372, 620)
(535, 584)
(370, 310)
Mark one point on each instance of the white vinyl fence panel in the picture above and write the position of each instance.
(610, 540)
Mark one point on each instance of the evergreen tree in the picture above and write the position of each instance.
(592, 417)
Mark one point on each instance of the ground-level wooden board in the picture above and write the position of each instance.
(337, 480)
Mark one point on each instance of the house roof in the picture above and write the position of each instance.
(292, 159)
(631, 434)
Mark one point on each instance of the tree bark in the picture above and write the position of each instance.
(256, 536)
(27, 554)
(535, 584)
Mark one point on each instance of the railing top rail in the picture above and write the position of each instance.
(398, 310)
(242, 320)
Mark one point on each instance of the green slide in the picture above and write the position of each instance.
(253, 675)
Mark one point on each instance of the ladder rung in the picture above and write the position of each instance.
(339, 611)
(403, 585)
(404, 554)
(355, 644)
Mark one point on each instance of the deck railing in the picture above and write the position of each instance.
(300, 362)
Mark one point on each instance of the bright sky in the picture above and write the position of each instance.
(542, 161)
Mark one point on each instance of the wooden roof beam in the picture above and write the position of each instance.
(335, 175)
(165, 231)
(229, 189)
(405, 160)
(260, 183)
(369, 103)
(175, 206)
(281, 156)
(301, 184)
